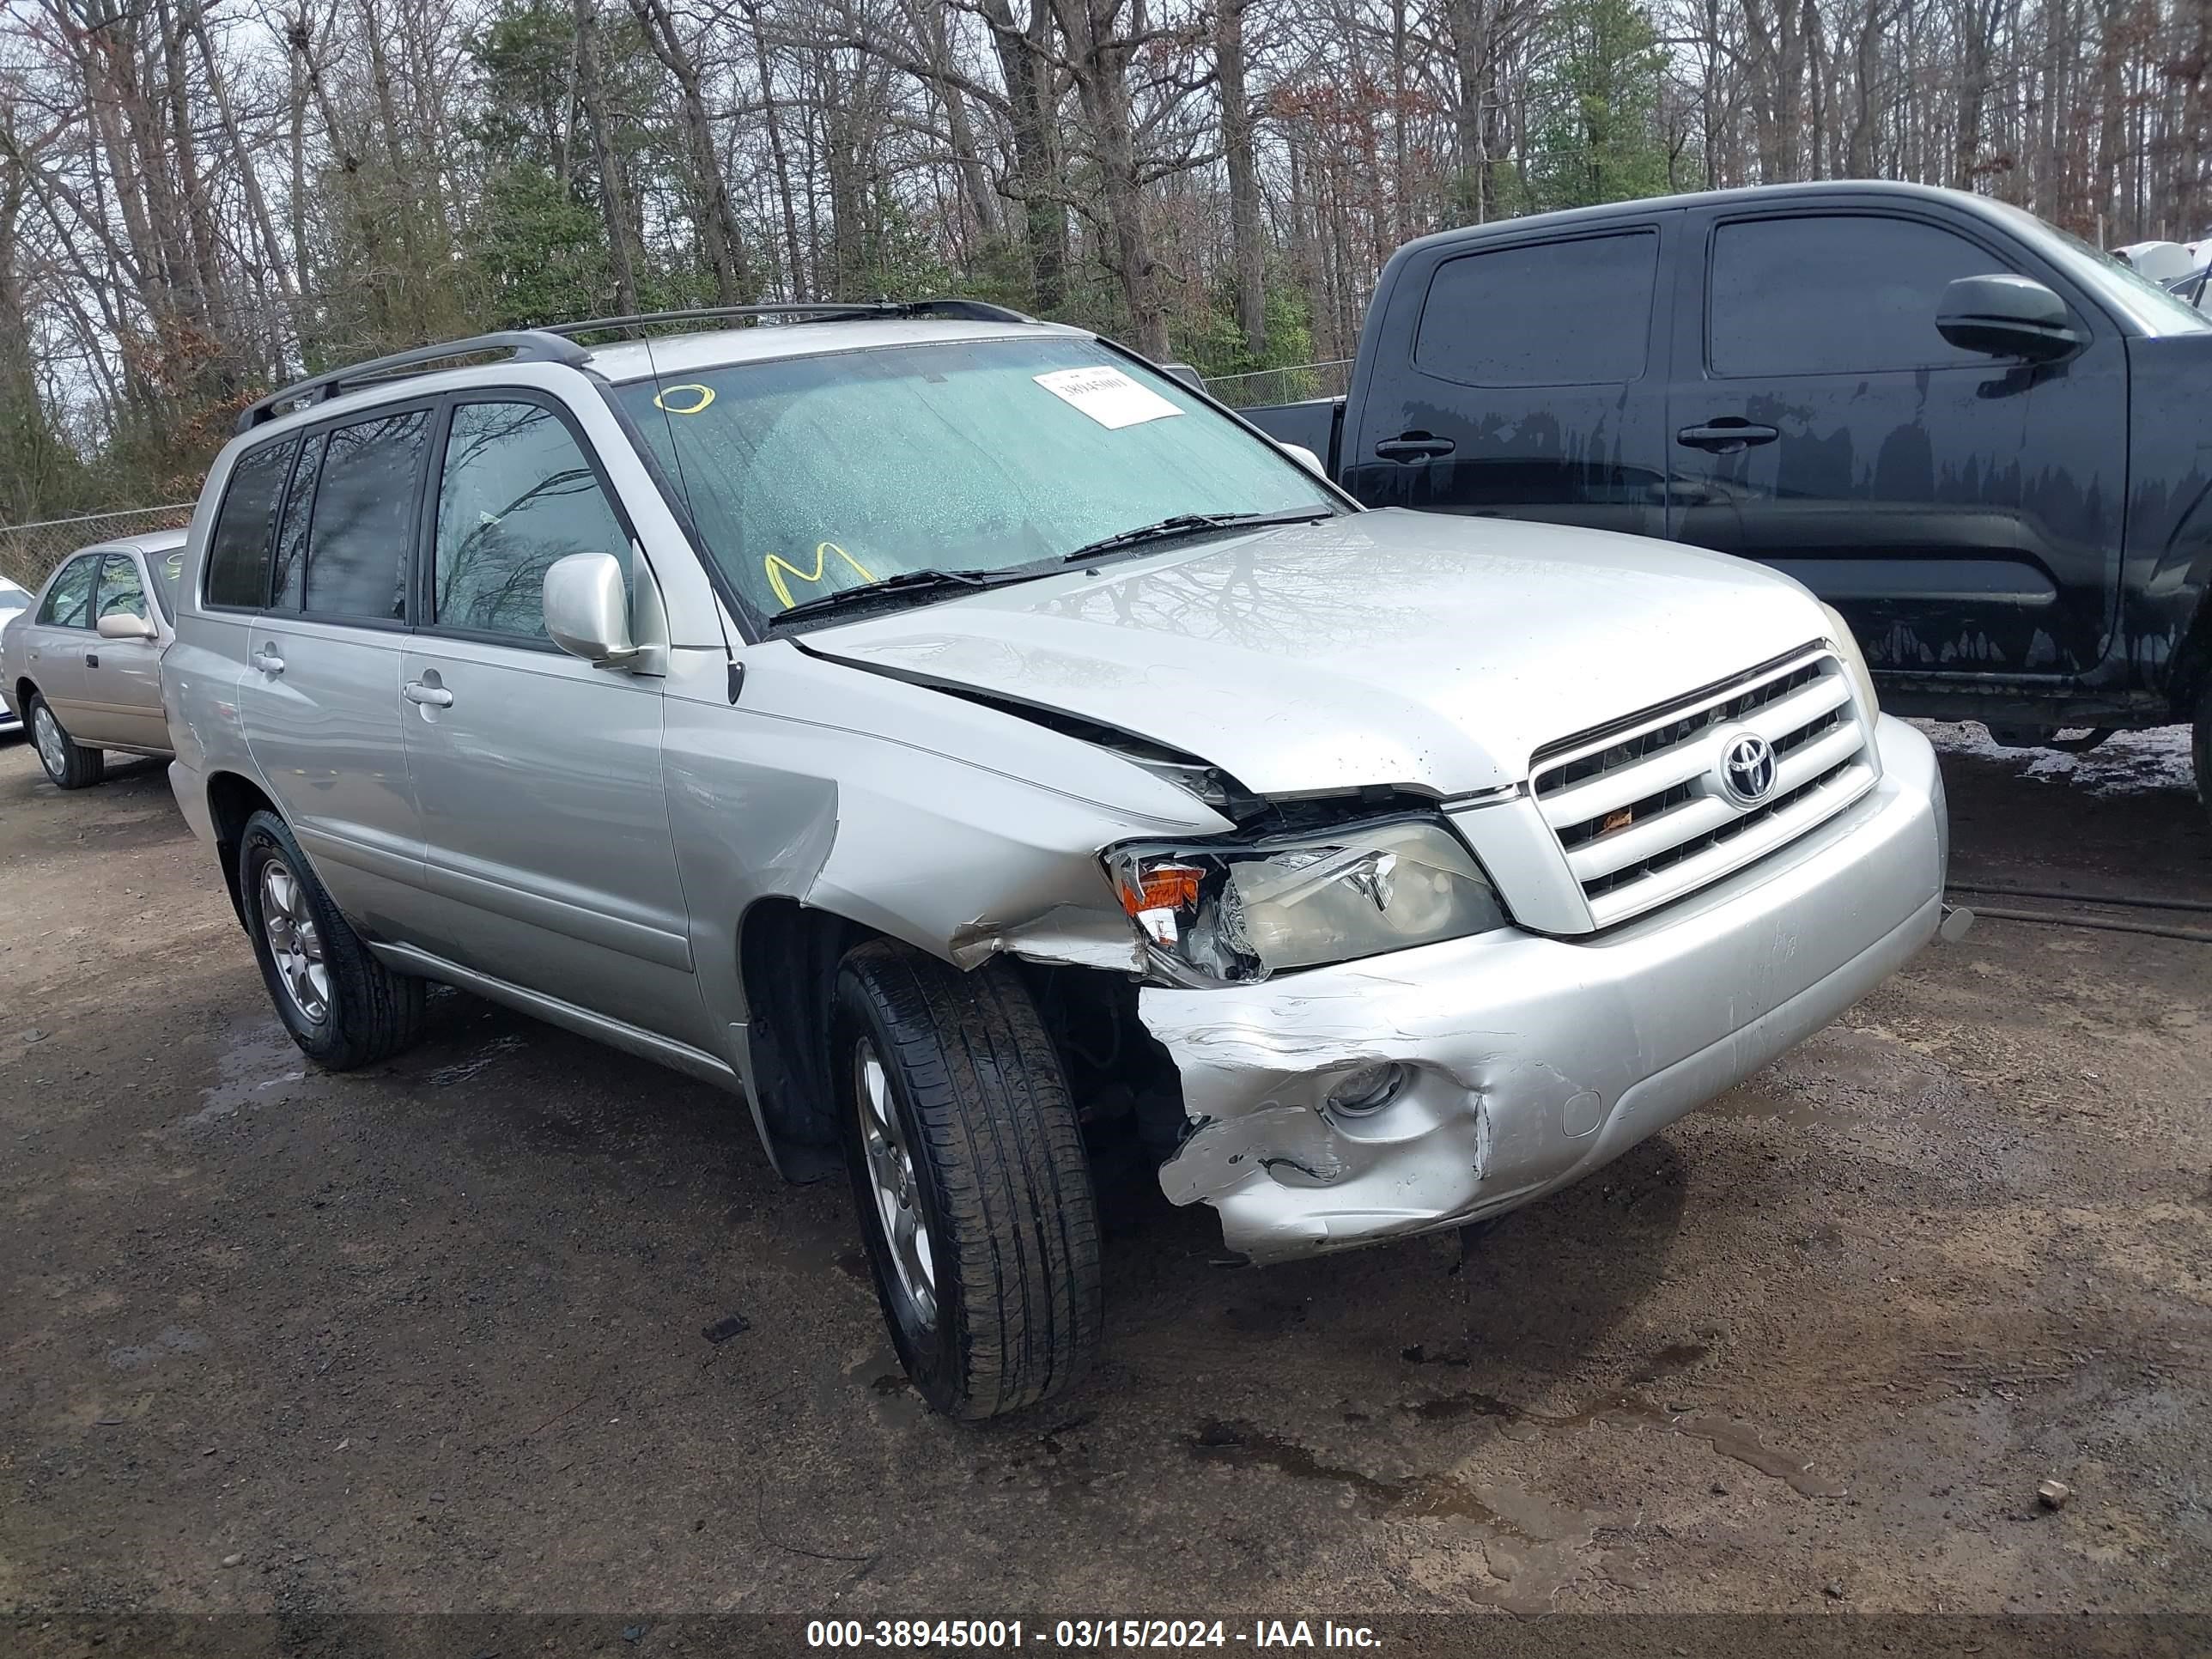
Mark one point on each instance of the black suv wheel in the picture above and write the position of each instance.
(968, 1169)
(342, 1006)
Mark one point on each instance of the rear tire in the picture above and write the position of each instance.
(68, 763)
(344, 1007)
(968, 1168)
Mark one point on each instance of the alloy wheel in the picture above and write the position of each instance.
(891, 1180)
(295, 942)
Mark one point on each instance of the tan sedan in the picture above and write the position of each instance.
(81, 665)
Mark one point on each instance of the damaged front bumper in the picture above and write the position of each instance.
(1531, 1061)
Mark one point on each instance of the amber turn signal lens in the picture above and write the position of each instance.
(1161, 887)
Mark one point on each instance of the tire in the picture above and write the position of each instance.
(993, 1164)
(66, 761)
(358, 1012)
(2200, 749)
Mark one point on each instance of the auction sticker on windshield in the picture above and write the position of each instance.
(1106, 396)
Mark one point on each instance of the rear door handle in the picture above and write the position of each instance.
(1413, 447)
(269, 662)
(1726, 435)
(91, 659)
(436, 696)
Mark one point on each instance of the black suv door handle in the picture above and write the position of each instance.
(1726, 435)
(1413, 447)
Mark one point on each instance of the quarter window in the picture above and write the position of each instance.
(68, 601)
(1575, 312)
(237, 546)
(122, 589)
(516, 494)
(363, 518)
(1846, 294)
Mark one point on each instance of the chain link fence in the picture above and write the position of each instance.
(1283, 385)
(28, 551)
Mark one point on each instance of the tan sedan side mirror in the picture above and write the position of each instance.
(122, 625)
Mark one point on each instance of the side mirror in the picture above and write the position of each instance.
(2007, 317)
(122, 625)
(1305, 458)
(587, 608)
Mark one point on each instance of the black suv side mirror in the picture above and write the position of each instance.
(2005, 316)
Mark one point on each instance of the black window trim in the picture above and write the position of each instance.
(1966, 229)
(422, 595)
(91, 594)
(291, 436)
(1652, 226)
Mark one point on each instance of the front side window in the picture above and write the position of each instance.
(1840, 294)
(238, 546)
(363, 518)
(68, 601)
(809, 475)
(515, 494)
(1547, 313)
(122, 589)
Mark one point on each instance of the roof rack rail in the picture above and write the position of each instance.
(527, 345)
(555, 342)
(817, 311)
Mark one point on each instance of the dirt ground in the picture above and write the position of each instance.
(432, 1337)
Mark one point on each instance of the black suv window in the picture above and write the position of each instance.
(1576, 312)
(237, 546)
(68, 601)
(122, 589)
(364, 517)
(1836, 293)
(516, 494)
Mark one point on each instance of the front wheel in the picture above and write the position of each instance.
(342, 1006)
(968, 1169)
(68, 763)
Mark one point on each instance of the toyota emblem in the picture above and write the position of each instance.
(1748, 768)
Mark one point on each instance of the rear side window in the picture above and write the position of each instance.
(122, 589)
(68, 601)
(291, 582)
(1838, 294)
(364, 518)
(516, 494)
(237, 546)
(1548, 314)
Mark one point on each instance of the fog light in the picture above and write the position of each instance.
(1368, 1090)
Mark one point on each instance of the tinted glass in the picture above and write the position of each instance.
(68, 601)
(516, 494)
(809, 474)
(168, 576)
(122, 589)
(290, 584)
(364, 518)
(237, 546)
(1848, 293)
(1551, 313)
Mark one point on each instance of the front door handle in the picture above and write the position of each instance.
(420, 691)
(1413, 447)
(1726, 435)
(92, 659)
(269, 662)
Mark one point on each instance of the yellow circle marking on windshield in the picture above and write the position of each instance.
(777, 566)
(706, 396)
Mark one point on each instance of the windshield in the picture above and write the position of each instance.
(808, 475)
(13, 598)
(2134, 295)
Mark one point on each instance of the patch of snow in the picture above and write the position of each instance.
(2126, 764)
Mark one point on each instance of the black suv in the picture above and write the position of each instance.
(1978, 437)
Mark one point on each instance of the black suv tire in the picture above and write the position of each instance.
(360, 1011)
(81, 768)
(960, 1133)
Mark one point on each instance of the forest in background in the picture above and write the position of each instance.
(202, 198)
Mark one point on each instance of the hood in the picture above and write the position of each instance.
(1391, 648)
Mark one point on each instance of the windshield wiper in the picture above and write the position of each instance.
(908, 582)
(1186, 523)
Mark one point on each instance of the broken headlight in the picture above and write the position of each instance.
(1219, 914)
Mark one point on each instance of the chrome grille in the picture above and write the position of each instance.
(1639, 808)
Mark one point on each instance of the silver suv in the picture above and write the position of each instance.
(990, 756)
